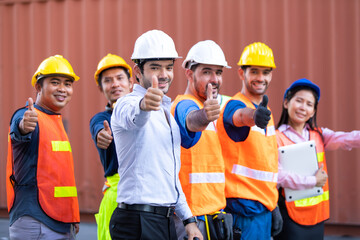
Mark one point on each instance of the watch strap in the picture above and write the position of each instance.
(190, 220)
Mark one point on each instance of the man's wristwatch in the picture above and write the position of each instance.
(190, 220)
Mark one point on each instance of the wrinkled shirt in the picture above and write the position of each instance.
(332, 141)
(148, 148)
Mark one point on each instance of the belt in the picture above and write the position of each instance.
(164, 211)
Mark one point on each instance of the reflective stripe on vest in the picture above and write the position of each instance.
(320, 157)
(255, 174)
(251, 166)
(202, 170)
(313, 210)
(207, 178)
(61, 146)
(224, 100)
(65, 192)
(306, 202)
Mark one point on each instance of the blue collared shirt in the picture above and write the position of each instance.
(107, 156)
(148, 148)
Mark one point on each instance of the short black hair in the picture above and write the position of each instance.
(194, 67)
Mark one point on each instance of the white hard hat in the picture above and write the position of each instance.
(205, 52)
(154, 44)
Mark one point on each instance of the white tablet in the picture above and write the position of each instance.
(300, 158)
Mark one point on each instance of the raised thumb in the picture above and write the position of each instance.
(209, 91)
(107, 127)
(264, 101)
(155, 82)
(31, 104)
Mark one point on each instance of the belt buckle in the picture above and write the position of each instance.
(169, 212)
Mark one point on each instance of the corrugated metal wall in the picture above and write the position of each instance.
(314, 39)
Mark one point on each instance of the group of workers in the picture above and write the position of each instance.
(204, 166)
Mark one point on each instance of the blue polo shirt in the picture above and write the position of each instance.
(108, 156)
(25, 153)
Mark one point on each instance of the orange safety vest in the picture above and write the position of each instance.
(313, 210)
(9, 175)
(251, 166)
(202, 169)
(55, 171)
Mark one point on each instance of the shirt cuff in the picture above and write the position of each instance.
(16, 135)
(183, 211)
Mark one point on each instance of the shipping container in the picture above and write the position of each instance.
(318, 40)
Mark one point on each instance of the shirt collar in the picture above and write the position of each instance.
(285, 127)
(45, 110)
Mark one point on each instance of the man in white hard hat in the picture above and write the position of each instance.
(147, 141)
(113, 78)
(202, 174)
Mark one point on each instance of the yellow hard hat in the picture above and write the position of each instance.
(257, 54)
(110, 61)
(54, 65)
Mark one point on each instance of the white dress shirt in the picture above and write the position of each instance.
(148, 149)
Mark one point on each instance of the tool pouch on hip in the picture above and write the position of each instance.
(220, 226)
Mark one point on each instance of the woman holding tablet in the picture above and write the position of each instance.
(304, 218)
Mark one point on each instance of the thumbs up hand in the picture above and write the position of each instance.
(211, 105)
(262, 114)
(29, 121)
(321, 176)
(153, 97)
(104, 137)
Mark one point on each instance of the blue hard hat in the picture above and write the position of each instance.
(304, 82)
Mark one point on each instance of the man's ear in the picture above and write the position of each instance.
(241, 73)
(131, 83)
(189, 75)
(37, 87)
(137, 72)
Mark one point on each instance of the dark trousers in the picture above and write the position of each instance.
(294, 231)
(127, 224)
